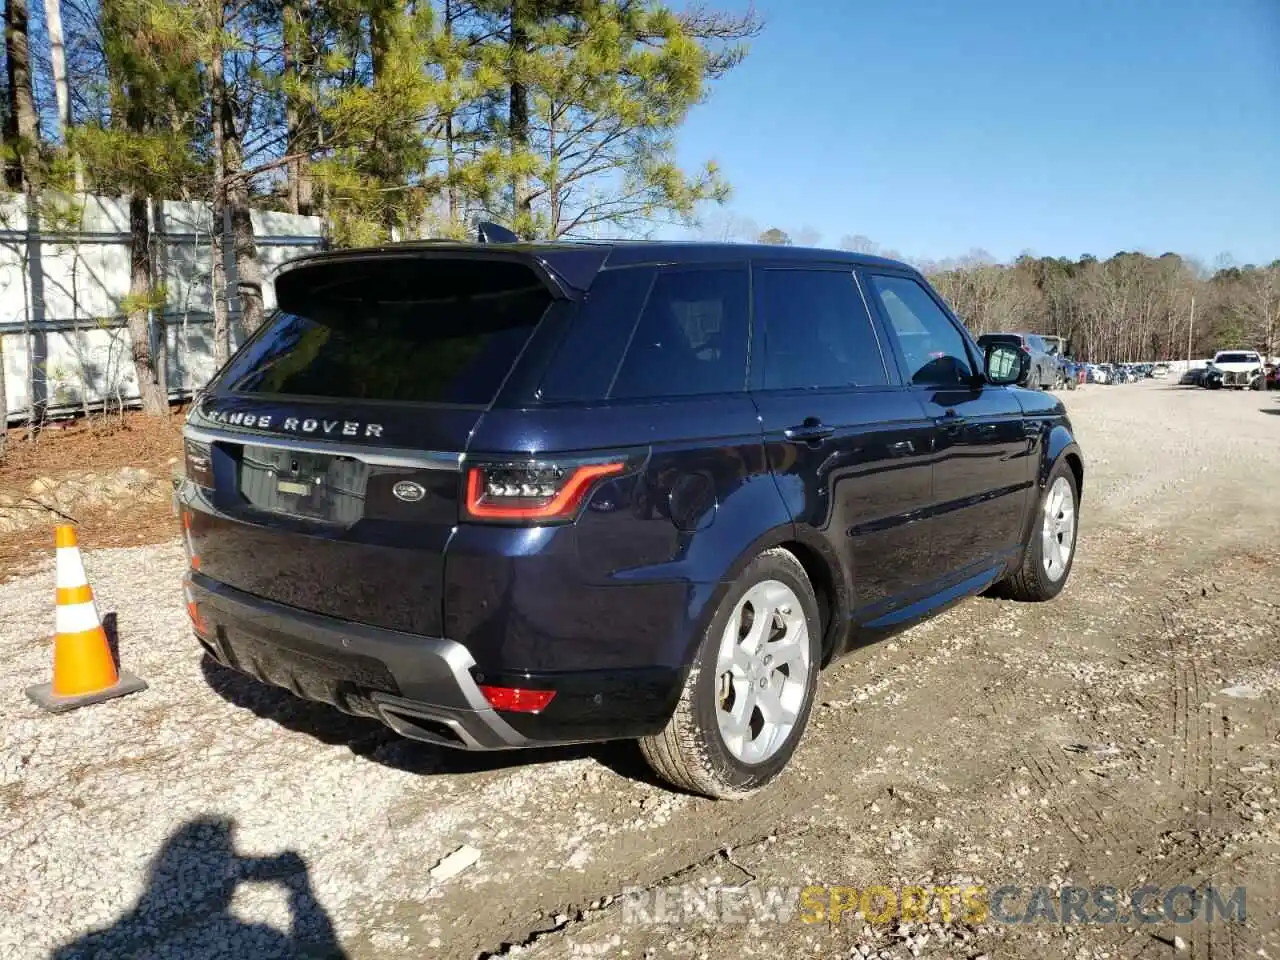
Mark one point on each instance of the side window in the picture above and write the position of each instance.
(934, 349)
(817, 331)
(586, 359)
(691, 338)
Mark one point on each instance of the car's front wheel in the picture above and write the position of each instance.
(1046, 562)
(749, 693)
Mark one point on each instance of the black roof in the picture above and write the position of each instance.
(614, 253)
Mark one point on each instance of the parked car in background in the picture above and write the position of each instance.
(1235, 369)
(1194, 377)
(1159, 370)
(1044, 372)
(1071, 372)
(1097, 373)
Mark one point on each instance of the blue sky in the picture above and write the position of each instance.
(938, 126)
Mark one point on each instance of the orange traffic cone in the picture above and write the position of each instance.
(84, 671)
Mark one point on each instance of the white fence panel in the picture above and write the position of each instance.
(64, 273)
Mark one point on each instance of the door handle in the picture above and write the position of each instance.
(902, 447)
(812, 430)
(951, 422)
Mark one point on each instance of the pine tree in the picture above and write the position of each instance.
(596, 92)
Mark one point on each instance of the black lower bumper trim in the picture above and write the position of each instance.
(363, 670)
(424, 688)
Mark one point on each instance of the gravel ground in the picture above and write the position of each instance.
(1127, 733)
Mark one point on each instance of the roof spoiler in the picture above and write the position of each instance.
(493, 233)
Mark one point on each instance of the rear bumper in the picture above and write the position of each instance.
(424, 688)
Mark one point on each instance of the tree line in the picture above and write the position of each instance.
(1128, 308)
(391, 119)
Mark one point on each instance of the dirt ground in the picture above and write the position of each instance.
(1126, 734)
(65, 447)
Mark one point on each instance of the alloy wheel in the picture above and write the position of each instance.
(762, 671)
(1058, 528)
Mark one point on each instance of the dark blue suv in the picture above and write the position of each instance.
(500, 495)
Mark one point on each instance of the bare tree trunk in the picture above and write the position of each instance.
(23, 131)
(450, 158)
(379, 49)
(248, 269)
(519, 121)
(58, 66)
(150, 387)
(298, 61)
(159, 328)
(218, 212)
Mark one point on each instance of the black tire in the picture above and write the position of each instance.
(690, 752)
(1032, 584)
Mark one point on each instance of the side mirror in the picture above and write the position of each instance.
(1005, 364)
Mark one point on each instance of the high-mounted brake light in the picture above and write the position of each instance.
(517, 699)
(531, 491)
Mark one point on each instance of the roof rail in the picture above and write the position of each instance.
(493, 233)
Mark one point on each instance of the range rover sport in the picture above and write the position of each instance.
(504, 494)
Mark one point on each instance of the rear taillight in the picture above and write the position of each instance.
(531, 491)
(199, 463)
(517, 699)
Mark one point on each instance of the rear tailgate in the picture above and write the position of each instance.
(332, 443)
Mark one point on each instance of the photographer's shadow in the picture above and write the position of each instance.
(186, 909)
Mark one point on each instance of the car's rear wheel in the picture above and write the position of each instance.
(751, 688)
(1051, 550)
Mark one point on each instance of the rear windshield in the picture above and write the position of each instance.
(1237, 358)
(422, 330)
(1000, 338)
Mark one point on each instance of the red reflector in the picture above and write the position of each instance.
(188, 541)
(516, 699)
(197, 621)
(193, 611)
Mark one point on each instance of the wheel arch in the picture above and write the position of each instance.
(830, 584)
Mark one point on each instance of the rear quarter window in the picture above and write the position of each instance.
(587, 358)
(691, 338)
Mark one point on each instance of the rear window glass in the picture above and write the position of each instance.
(421, 330)
(691, 338)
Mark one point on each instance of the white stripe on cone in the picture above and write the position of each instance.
(75, 617)
(70, 568)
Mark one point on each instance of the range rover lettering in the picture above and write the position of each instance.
(505, 494)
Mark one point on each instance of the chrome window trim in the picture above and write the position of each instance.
(374, 456)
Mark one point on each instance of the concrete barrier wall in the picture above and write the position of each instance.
(64, 271)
